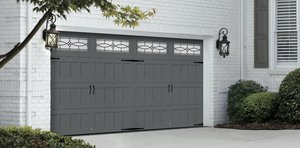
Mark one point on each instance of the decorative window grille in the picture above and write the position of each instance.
(187, 49)
(287, 32)
(72, 44)
(149, 47)
(112, 45)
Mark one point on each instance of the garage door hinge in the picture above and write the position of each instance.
(132, 129)
(198, 62)
(201, 124)
(132, 60)
(55, 58)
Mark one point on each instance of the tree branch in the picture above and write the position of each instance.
(12, 53)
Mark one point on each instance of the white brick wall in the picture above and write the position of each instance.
(199, 18)
(267, 77)
(40, 73)
(10, 100)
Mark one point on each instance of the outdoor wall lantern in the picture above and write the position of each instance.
(223, 45)
(51, 36)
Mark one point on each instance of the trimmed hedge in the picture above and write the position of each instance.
(26, 137)
(259, 107)
(237, 94)
(289, 91)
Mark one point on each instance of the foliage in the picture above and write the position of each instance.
(237, 94)
(289, 91)
(259, 107)
(123, 15)
(25, 137)
(270, 125)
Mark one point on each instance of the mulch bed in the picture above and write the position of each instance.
(274, 125)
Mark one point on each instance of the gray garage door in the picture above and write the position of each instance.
(106, 83)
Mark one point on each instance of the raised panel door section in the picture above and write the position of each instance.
(186, 71)
(70, 108)
(111, 119)
(113, 95)
(152, 118)
(96, 109)
(187, 104)
(186, 116)
(70, 122)
(71, 96)
(70, 70)
(113, 107)
(151, 95)
(153, 71)
(111, 71)
(184, 94)
(151, 105)
(187, 93)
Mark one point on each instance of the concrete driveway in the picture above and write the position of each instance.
(198, 138)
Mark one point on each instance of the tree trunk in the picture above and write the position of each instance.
(11, 54)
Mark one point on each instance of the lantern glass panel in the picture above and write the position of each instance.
(225, 48)
(52, 40)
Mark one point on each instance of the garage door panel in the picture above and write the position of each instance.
(187, 94)
(65, 70)
(139, 119)
(55, 71)
(64, 122)
(112, 95)
(99, 121)
(109, 121)
(192, 116)
(111, 71)
(71, 122)
(180, 95)
(80, 96)
(186, 116)
(55, 126)
(186, 72)
(114, 83)
(91, 120)
(155, 118)
(70, 70)
(199, 95)
(54, 97)
(167, 116)
(112, 120)
(199, 115)
(151, 71)
(151, 94)
(199, 73)
(66, 96)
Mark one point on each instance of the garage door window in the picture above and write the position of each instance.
(187, 49)
(72, 44)
(112, 45)
(149, 47)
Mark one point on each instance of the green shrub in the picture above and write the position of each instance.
(289, 91)
(237, 94)
(26, 137)
(259, 107)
